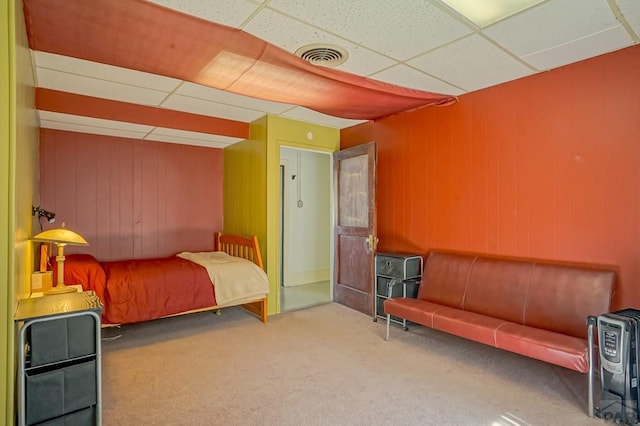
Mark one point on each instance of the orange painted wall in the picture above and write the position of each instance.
(131, 198)
(547, 166)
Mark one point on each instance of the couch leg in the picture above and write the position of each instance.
(590, 326)
(388, 323)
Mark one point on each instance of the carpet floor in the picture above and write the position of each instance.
(325, 365)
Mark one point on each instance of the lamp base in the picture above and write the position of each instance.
(60, 289)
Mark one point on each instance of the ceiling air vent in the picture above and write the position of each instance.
(326, 55)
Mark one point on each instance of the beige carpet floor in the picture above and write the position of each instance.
(326, 365)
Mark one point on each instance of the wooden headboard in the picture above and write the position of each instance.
(240, 246)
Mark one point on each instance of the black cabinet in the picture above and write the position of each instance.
(59, 360)
(396, 275)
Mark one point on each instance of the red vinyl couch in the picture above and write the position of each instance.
(534, 308)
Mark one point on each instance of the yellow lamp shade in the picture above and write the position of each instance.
(60, 237)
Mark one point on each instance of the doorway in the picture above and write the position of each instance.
(305, 228)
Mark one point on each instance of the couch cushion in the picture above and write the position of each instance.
(498, 288)
(470, 325)
(560, 349)
(562, 297)
(414, 310)
(444, 279)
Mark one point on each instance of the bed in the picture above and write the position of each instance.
(145, 289)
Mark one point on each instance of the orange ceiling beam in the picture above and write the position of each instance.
(88, 106)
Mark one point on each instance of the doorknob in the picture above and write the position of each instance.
(372, 242)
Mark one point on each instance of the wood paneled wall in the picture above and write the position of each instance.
(131, 198)
(547, 166)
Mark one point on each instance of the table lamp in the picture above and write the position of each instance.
(60, 237)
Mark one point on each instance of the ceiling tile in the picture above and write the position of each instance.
(227, 12)
(88, 86)
(78, 128)
(596, 44)
(200, 106)
(162, 134)
(630, 10)
(397, 29)
(93, 122)
(220, 96)
(471, 63)
(403, 75)
(552, 24)
(290, 35)
(104, 72)
(310, 116)
(73, 123)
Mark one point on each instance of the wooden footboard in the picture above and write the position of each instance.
(245, 248)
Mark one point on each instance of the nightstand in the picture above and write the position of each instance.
(59, 359)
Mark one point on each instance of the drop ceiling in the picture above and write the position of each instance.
(421, 44)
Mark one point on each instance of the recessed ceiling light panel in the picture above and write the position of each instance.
(486, 12)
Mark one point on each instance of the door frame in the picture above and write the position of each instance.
(284, 216)
(331, 198)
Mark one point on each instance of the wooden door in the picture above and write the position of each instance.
(355, 226)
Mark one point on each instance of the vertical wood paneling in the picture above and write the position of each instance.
(245, 171)
(164, 245)
(67, 178)
(509, 176)
(541, 148)
(388, 168)
(47, 169)
(150, 226)
(479, 191)
(621, 207)
(126, 205)
(547, 166)
(86, 187)
(174, 185)
(461, 180)
(439, 184)
(417, 209)
(522, 140)
(137, 180)
(586, 154)
(132, 198)
(431, 182)
(104, 222)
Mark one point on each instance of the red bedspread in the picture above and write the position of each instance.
(141, 290)
(159, 287)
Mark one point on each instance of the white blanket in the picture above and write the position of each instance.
(233, 278)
